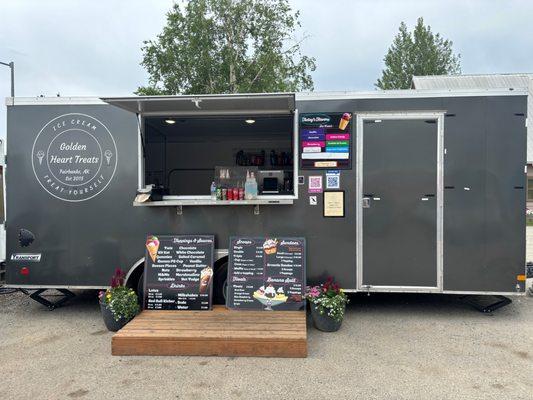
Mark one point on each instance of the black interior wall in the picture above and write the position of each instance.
(183, 156)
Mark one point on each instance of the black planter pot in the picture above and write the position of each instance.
(109, 320)
(324, 322)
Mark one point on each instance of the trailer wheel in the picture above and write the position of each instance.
(220, 281)
(140, 289)
(135, 282)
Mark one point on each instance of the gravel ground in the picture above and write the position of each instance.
(390, 347)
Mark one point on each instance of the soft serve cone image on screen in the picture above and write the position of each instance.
(345, 119)
(152, 245)
(205, 279)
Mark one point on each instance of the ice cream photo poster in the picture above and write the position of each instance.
(152, 245)
(345, 119)
(205, 279)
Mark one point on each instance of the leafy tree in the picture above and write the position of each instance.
(227, 46)
(418, 53)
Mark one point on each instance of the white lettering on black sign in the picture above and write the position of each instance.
(178, 272)
(266, 273)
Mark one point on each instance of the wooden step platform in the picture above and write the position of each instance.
(220, 332)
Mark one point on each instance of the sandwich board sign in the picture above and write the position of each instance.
(178, 272)
(266, 273)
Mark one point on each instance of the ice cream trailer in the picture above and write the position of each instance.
(394, 191)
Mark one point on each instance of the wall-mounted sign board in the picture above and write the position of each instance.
(334, 204)
(266, 273)
(178, 272)
(326, 140)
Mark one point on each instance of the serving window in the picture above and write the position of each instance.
(184, 156)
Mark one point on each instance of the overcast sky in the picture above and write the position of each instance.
(92, 47)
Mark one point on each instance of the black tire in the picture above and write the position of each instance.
(139, 289)
(220, 282)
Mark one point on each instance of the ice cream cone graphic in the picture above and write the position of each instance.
(40, 156)
(152, 245)
(108, 154)
(345, 119)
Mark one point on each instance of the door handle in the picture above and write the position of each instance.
(366, 202)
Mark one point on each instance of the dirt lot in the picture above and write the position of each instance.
(390, 347)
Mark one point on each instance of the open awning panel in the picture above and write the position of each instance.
(228, 104)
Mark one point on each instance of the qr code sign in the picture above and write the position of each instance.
(315, 181)
(333, 181)
(315, 184)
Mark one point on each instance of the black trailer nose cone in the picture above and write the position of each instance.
(26, 237)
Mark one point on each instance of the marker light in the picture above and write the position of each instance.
(249, 121)
(25, 271)
(170, 121)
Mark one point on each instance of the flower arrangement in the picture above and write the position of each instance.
(121, 300)
(329, 299)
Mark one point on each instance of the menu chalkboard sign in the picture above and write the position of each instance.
(266, 273)
(178, 272)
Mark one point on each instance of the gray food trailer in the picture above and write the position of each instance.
(427, 187)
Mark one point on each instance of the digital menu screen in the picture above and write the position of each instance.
(326, 140)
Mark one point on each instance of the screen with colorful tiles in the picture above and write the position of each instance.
(326, 140)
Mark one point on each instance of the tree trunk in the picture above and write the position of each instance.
(232, 78)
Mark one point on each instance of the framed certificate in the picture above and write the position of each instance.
(334, 204)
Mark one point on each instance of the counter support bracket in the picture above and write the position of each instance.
(179, 210)
(256, 209)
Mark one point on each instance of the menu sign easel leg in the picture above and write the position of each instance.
(178, 272)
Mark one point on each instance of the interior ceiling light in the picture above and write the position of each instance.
(170, 121)
(249, 121)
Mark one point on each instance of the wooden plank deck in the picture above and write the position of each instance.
(220, 332)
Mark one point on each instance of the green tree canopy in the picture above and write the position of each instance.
(227, 46)
(418, 53)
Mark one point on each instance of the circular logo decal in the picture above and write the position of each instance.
(74, 157)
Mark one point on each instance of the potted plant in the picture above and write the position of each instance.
(328, 303)
(119, 304)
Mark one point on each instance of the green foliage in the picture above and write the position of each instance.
(333, 307)
(122, 301)
(329, 299)
(227, 46)
(418, 53)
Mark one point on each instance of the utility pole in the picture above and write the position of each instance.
(11, 65)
